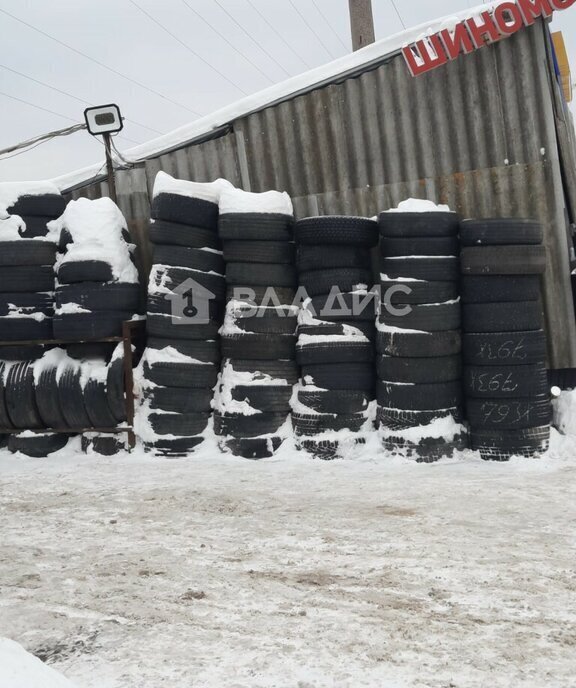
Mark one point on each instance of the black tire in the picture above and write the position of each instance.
(426, 450)
(320, 282)
(310, 257)
(402, 419)
(48, 400)
(500, 231)
(269, 321)
(115, 385)
(164, 233)
(264, 275)
(101, 296)
(96, 404)
(174, 449)
(425, 397)
(104, 445)
(355, 376)
(317, 424)
(520, 316)
(25, 329)
(496, 289)
(37, 446)
(334, 352)
(277, 370)
(187, 375)
(426, 317)
(179, 399)
(189, 258)
(257, 347)
(21, 353)
(409, 225)
(179, 424)
(64, 240)
(87, 326)
(85, 271)
(20, 398)
(344, 307)
(5, 421)
(505, 348)
(322, 450)
(254, 448)
(503, 382)
(36, 227)
(348, 402)
(173, 278)
(184, 210)
(180, 328)
(255, 227)
(337, 230)
(419, 370)
(207, 352)
(420, 246)
(30, 303)
(279, 252)
(398, 293)
(503, 260)
(26, 252)
(419, 345)
(239, 426)
(40, 205)
(508, 414)
(502, 445)
(264, 398)
(93, 350)
(27, 279)
(260, 296)
(357, 328)
(71, 398)
(436, 269)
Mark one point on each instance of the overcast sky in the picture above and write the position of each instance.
(240, 55)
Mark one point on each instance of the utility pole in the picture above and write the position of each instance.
(361, 23)
(110, 168)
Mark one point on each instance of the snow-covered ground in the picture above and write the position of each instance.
(216, 572)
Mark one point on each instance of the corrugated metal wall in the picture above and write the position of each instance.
(479, 134)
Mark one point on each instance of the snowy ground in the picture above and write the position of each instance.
(216, 572)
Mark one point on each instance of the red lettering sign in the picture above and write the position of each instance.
(476, 32)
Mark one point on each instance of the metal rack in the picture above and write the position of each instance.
(132, 332)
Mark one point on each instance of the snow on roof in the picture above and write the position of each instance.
(362, 59)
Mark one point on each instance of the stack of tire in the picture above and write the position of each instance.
(57, 392)
(505, 379)
(252, 406)
(97, 281)
(419, 335)
(27, 257)
(335, 335)
(26, 295)
(185, 308)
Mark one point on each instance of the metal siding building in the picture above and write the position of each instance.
(488, 134)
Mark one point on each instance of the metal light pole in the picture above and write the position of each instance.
(104, 121)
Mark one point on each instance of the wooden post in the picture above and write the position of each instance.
(361, 23)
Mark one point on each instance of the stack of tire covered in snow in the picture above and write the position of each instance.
(252, 405)
(419, 336)
(185, 311)
(97, 281)
(27, 257)
(335, 333)
(505, 380)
